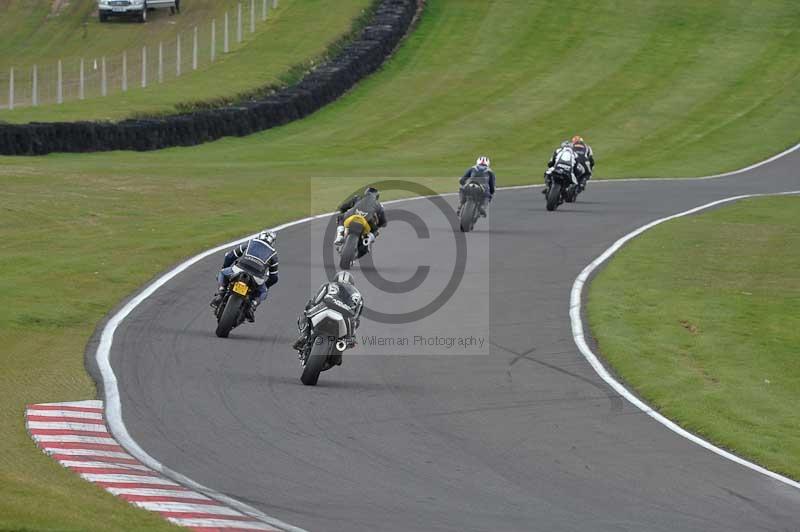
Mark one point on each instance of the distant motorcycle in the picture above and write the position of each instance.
(561, 185)
(332, 330)
(358, 240)
(474, 199)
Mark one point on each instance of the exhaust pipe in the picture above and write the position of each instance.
(341, 345)
(369, 239)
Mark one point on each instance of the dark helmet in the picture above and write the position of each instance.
(373, 191)
(345, 277)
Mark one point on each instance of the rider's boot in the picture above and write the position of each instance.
(339, 236)
(217, 299)
(300, 343)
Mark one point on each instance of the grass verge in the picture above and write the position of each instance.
(660, 88)
(701, 316)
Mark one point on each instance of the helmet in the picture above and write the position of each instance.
(345, 277)
(483, 161)
(372, 190)
(577, 139)
(566, 143)
(268, 236)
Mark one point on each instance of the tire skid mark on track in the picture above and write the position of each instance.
(122, 475)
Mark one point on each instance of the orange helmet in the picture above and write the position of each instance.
(576, 139)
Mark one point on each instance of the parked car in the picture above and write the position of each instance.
(136, 9)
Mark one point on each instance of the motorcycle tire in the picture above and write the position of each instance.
(320, 351)
(349, 251)
(553, 196)
(230, 315)
(468, 216)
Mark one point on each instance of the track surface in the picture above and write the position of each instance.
(524, 438)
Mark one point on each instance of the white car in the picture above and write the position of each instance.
(133, 8)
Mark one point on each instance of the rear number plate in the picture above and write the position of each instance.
(241, 288)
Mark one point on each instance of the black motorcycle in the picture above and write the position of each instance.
(331, 334)
(474, 198)
(230, 312)
(560, 187)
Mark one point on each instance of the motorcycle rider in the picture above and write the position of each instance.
(585, 164)
(263, 256)
(482, 174)
(565, 159)
(343, 289)
(369, 207)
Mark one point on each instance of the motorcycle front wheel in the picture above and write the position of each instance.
(320, 351)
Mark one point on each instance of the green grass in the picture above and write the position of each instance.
(297, 32)
(658, 88)
(702, 317)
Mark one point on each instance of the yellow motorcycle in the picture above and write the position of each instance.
(358, 239)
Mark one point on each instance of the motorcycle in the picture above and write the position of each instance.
(331, 334)
(243, 285)
(474, 198)
(358, 239)
(231, 311)
(561, 187)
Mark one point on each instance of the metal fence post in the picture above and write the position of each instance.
(125, 71)
(160, 62)
(264, 9)
(144, 67)
(178, 57)
(252, 16)
(60, 86)
(11, 89)
(213, 39)
(194, 49)
(225, 47)
(103, 78)
(35, 88)
(239, 23)
(81, 92)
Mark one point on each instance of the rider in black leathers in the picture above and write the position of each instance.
(584, 166)
(482, 174)
(343, 289)
(368, 206)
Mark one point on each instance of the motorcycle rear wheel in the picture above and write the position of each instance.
(349, 251)
(553, 196)
(230, 315)
(320, 351)
(468, 216)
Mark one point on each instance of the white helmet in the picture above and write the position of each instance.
(345, 277)
(268, 236)
(483, 161)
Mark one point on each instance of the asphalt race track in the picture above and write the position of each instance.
(517, 435)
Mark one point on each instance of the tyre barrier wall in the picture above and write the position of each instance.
(390, 23)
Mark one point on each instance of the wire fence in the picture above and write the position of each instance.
(153, 64)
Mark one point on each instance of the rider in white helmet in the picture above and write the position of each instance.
(263, 252)
(482, 174)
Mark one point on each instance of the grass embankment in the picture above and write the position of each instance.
(701, 316)
(296, 32)
(659, 88)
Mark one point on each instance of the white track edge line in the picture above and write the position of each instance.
(113, 406)
(579, 337)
